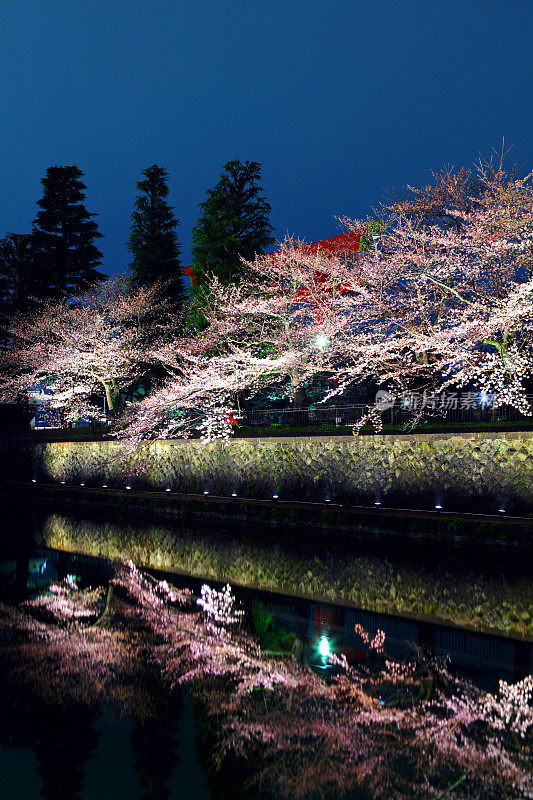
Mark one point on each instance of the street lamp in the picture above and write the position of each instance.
(324, 648)
(321, 341)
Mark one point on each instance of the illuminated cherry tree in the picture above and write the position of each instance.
(94, 346)
(442, 298)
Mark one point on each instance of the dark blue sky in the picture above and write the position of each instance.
(335, 98)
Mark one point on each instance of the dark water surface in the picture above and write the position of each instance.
(87, 754)
(68, 755)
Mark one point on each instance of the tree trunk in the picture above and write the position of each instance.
(107, 610)
(109, 398)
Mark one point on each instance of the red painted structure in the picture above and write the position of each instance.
(191, 274)
(336, 245)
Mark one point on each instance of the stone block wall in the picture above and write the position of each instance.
(476, 471)
(490, 602)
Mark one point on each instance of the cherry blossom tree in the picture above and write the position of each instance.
(440, 297)
(94, 346)
(443, 298)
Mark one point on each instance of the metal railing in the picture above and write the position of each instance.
(397, 416)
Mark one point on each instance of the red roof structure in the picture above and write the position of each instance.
(336, 245)
(191, 274)
(345, 243)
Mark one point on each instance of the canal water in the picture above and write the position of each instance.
(85, 754)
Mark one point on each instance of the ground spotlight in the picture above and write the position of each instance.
(377, 503)
(234, 494)
(33, 480)
(82, 484)
(62, 481)
(167, 489)
(324, 648)
(275, 496)
(104, 486)
(438, 506)
(206, 492)
(128, 487)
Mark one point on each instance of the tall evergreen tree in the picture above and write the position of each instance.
(234, 223)
(64, 234)
(18, 276)
(153, 240)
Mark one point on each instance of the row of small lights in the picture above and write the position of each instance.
(438, 506)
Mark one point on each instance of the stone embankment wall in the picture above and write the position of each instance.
(489, 602)
(477, 471)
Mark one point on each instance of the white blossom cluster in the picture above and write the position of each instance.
(398, 671)
(512, 708)
(215, 426)
(220, 607)
(338, 661)
(70, 581)
(66, 603)
(170, 594)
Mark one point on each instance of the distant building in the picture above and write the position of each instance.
(336, 245)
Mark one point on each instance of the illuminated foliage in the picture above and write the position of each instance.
(364, 730)
(94, 348)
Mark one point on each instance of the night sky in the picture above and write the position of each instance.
(336, 99)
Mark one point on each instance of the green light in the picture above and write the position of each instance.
(321, 341)
(323, 647)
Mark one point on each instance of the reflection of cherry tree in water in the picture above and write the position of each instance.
(65, 741)
(62, 661)
(154, 743)
(392, 730)
(62, 736)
